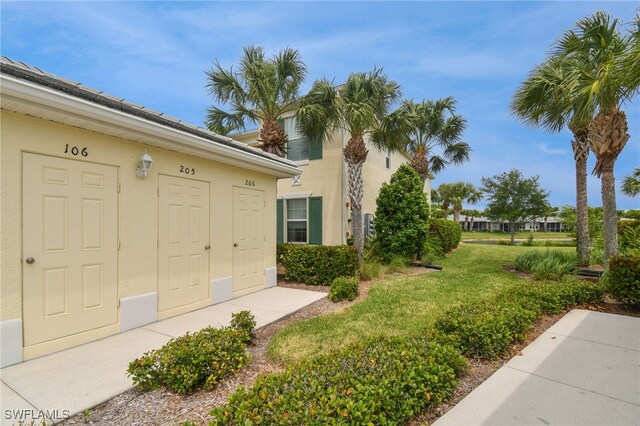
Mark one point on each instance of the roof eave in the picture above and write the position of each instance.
(45, 99)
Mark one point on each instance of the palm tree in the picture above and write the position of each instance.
(463, 192)
(631, 183)
(606, 75)
(419, 128)
(443, 195)
(544, 100)
(260, 92)
(358, 107)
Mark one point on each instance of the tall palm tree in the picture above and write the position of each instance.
(419, 128)
(631, 183)
(260, 92)
(463, 192)
(606, 75)
(545, 100)
(358, 106)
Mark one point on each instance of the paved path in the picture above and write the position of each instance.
(75, 379)
(584, 370)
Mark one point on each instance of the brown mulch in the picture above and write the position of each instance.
(162, 407)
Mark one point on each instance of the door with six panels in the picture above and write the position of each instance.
(183, 243)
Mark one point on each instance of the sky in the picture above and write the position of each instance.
(156, 53)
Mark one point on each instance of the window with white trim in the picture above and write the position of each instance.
(298, 145)
(296, 217)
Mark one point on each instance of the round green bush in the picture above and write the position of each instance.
(343, 288)
(448, 232)
(623, 279)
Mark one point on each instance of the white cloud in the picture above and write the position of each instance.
(543, 147)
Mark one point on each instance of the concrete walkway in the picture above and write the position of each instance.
(68, 382)
(584, 370)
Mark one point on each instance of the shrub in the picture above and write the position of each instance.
(397, 264)
(549, 264)
(343, 289)
(626, 224)
(246, 322)
(529, 241)
(629, 239)
(432, 249)
(369, 270)
(449, 232)
(624, 279)
(487, 329)
(191, 361)
(281, 251)
(384, 381)
(503, 242)
(319, 265)
(401, 215)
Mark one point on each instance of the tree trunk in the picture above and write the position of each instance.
(355, 154)
(471, 223)
(456, 215)
(580, 146)
(544, 229)
(273, 139)
(420, 163)
(610, 214)
(512, 229)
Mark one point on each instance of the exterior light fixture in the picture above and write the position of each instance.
(144, 165)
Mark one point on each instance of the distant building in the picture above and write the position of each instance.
(484, 224)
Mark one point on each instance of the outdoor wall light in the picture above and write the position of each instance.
(144, 165)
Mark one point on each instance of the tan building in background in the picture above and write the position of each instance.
(313, 207)
(93, 242)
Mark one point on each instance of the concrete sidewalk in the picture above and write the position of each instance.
(584, 370)
(68, 382)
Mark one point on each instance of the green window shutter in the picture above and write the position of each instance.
(315, 148)
(315, 220)
(280, 219)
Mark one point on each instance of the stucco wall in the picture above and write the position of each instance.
(137, 202)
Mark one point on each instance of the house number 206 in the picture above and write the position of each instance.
(75, 150)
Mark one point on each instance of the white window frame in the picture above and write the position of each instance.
(304, 161)
(297, 196)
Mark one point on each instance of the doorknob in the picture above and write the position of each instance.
(30, 260)
(207, 247)
(235, 244)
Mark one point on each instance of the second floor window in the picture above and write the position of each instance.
(298, 145)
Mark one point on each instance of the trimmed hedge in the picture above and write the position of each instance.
(318, 265)
(384, 381)
(448, 232)
(189, 362)
(624, 279)
(343, 288)
(487, 329)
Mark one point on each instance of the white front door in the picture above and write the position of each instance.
(183, 244)
(248, 240)
(69, 238)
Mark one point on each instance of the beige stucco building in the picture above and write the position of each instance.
(314, 206)
(90, 246)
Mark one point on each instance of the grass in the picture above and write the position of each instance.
(519, 235)
(403, 305)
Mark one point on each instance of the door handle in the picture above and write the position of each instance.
(235, 244)
(30, 260)
(207, 247)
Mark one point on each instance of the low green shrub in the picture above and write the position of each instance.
(487, 329)
(369, 270)
(432, 249)
(343, 288)
(623, 279)
(397, 264)
(503, 242)
(245, 321)
(382, 381)
(529, 241)
(449, 232)
(549, 264)
(281, 251)
(189, 362)
(627, 224)
(629, 240)
(319, 265)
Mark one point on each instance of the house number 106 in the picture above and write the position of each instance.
(75, 150)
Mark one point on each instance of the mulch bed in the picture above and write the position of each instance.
(161, 407)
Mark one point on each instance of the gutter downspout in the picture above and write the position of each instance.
(343, 208)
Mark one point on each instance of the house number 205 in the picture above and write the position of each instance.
(75, 150)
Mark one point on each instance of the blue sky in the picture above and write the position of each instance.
(155, 54)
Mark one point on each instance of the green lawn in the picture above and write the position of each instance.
(520, 235)
(403, 305)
